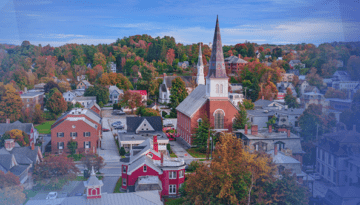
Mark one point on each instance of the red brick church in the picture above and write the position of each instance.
(210, 99)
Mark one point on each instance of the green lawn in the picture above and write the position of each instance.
(45, 127)
(118, 185)
(80, 178)
(29, 194)
(173, 155)
(194, 152)
(174, 201)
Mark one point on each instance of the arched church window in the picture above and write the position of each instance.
(217, 88)
(219, 119)
(221, 88)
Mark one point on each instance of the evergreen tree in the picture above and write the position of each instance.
(178, 94)
(290, 100)
(241, 118)
(202, 132)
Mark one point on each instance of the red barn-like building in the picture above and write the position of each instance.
(211, 99)
(146, 169)
(81, 125)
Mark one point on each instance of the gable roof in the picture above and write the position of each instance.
(84, 98)
(25, 127)
(262, 103)
(194, 101)
(133, 123)
(134, 165)
(113, 88)
(93, 103)
(5, 162)
(187, 79)
(234, 59)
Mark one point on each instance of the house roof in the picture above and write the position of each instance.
(294, 62)
(86, 82)
(262, 103)
(148, 183)
(5, 161)
(25, 155)
(25, 127)
(344, 136)
(193, 102)
(31, 94)
(18, 170)
(189, 80)
(84, 98)
(93, 103)
(234, 60)
(115, 88)
(134, 165)
(134, 198)
(79, 111)
(133, 123)
(281, 158)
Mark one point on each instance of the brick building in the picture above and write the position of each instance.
(30, 99)
(234, 63)
(211, 99)
(81, 125)
(146, 169)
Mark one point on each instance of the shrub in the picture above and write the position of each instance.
(122, 151)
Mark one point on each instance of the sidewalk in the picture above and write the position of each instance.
(108, 150)
(179, 150)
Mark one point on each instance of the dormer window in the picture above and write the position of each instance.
(144, 124)
(124, 169)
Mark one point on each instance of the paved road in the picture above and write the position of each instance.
(109, 184)
(108, 150)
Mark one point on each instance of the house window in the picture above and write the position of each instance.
(86, 134)
(181, 173)
(199, 121)
(73, 134)
(124, 181)
(172, 175)
(172, 189)
(221, 88)
(60, 134)
(219, 119)
(124, 169)
(145, 168)
(60, 145)
(329, 173)
(87, 145)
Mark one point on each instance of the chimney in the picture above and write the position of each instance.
(32, 146)
(262, 97)
(9, 144)
(286, 107)
(275, 150)
(239, 56)
(155, 144)
(288, 133)
(270, 128)
(25, 90)
(7, 121)
(162, 158)
(246, 129)
(254, 129)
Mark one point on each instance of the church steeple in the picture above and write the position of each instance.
(200, 69)
(217, 80)
(217, 64)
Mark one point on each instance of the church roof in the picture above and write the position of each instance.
(193, 102)
(217, 64)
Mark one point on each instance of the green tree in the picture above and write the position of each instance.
(122, 151)
(241, 118)
(290, 100)
(248, 104)
(271, 121)
(203, 132)
(178, 94)
(100, 92)
(72, 146)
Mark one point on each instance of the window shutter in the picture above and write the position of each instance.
(89, 134)
(84, 133)
(89, 144)
(84, 145)
(58, 145)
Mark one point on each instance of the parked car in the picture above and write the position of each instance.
(116, 123)
(105, 130)
(119, 127)
(52, 195)
(168, 123)
(118, 112)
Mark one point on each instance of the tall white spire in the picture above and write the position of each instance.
(200, 80)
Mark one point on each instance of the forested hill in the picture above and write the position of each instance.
(145, 58)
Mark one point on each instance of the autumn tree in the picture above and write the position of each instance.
(314, 79)
(10, 103)
(353, 67)
(19, 136)
(147, 112)
(268, 91)
(38, 116)
(64, 86)
(100, 92)
(131, 99)
(9, 179)
(89, 161)
(170, 56)
(56, 104)
(333, 93)
(50, 85)
(290, 100)
(11, 192)
(117, 79)
(241, 118)
(248, 104)
(350, 117)
(235, 176)
(178, 94)
(45, 66)
(99, 59)
(55, 170)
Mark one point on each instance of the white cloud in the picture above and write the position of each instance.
(61, 36)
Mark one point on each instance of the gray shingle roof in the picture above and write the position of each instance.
(135, 198)
(194, 101)
(18, 170)
(21, 153)
(84, 98)
(26, 127)
(262, 103)
(133, 123)
(140, 161)
(31, 94)
(5, 161)
(187, 79)
(163, 87)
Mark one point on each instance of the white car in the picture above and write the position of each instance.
(52, 195)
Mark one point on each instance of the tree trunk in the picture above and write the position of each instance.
(251, 186)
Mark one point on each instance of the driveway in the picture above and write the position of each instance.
(109, 184)
(180, 151)
(108, 150)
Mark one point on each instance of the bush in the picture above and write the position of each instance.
(168, 148)
(193, 166)
(122, 151)
(101, 104)
(149, 102)
(163, 113)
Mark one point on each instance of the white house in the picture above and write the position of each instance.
(115, 94)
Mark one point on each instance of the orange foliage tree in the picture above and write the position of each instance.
(11, 192)
(10, 103)
(19, 136)
(332, 93)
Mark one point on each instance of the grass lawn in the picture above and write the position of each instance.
(174, 201)
(80, 178)
(173, 155)
(45, 127)
(194, 152)
(118, 185)
(29, 194)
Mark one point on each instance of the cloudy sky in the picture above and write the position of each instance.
(57, 22)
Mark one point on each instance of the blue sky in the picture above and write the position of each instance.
(57, 22)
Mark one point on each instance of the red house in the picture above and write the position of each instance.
(148, 170)
(143, 94)
(81, 125)
(211, 99)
